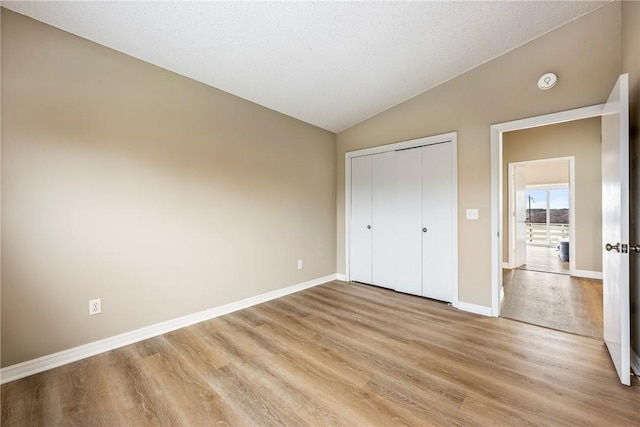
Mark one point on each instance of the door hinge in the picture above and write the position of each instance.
(624, 248)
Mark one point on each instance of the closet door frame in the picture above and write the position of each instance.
(451, 137)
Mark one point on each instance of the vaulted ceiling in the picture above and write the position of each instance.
(331, 64)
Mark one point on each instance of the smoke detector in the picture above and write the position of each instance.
(547, 81)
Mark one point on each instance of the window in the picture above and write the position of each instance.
(547, 214)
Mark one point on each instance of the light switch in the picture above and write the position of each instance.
(472, 213)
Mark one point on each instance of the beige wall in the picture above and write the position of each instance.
(586, 56)
(631, 64)
(580, 138)
(163, 196)
(158, 194)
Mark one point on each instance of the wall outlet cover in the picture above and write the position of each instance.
(95, 306)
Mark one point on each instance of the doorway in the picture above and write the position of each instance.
(614, 220)
(547, 228)
(553, 261)
(540, 209)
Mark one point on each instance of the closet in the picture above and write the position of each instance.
(403, 218)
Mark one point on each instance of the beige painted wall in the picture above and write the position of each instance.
(631, 64)
(586, 56)
(580, 138)
(158, 194)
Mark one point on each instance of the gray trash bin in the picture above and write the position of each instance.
(564, 249)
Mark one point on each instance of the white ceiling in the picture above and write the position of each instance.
(547, 173)
(331, 64)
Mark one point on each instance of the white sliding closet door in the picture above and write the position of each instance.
(408, 221)
(437, 218)
(403, 218)
(384, 220)
(360, 227)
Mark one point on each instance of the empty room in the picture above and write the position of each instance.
(294, 213)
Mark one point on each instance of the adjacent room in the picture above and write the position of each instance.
(297, 213)
(553, 228)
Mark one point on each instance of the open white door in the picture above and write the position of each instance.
(520, 217)
(615, 226)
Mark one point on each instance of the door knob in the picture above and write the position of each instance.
(424, 230)
(635, 248)
(368, 227)
(615, 247)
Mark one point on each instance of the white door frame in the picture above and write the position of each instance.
(435, 139)
(496, 184)
(572, 207)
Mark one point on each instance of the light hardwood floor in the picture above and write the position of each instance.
(337, 354)
(540, 258)
(565, 303)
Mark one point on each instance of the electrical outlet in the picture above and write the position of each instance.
(95, 306)
(299, 264)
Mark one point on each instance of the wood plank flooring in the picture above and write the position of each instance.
(540, 258)
(336, 354)
(565, 303)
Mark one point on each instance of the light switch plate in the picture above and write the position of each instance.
(472, 213)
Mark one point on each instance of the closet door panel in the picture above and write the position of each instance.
(360, 226)
(384, 257)
(437, 218)
(408, 222)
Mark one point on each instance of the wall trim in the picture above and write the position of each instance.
(506, 265)
(341, 277)
(44, 363)
(635, 362)
(474, 308)
(587, 274)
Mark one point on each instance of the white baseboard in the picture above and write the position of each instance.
(44, 363)
(341, 277)
(635, 362)
(587, 274)
(474, 308)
